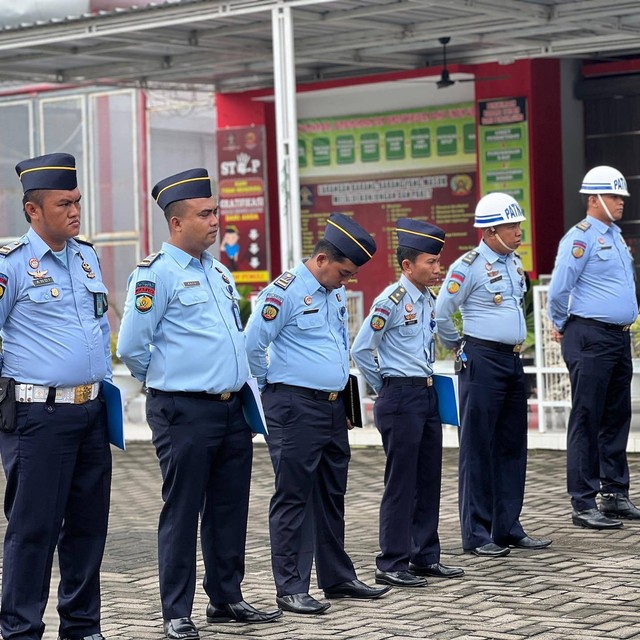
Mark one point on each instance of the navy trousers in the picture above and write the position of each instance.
(600, 368)
(205, 454)
(407, 418)
(493, 447)
(310, 453)
(58, 468)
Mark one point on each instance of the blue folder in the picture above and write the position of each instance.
(115, 413)
(252, 407)
(448, 404)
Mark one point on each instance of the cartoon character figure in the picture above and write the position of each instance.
(230, 246)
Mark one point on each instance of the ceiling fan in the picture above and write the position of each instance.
(445, 79)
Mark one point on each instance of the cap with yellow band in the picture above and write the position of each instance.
(350, 238)
(419, 235)
(193, 183)
(52, 171)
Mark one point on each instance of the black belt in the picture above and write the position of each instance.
(496, 346)
(304, 391)
(412, 381)
(598, 323)
(198, 395)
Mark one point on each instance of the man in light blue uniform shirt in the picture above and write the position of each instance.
(182, 336)
(298, 346)
(488, 286)
(592, 301)
(55, 453)
(401, 328)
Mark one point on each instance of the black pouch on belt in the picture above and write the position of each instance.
(7, 405)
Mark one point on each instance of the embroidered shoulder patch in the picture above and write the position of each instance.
(4, 279)
(269, 312)
(397, 294)
(149, 260)
(470, 257)
(145, 291)
(377, 322)
(285, 280)
(453, 286)
(11, 247)
(584, 225)
(578, 248)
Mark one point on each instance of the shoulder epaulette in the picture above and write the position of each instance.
(584, 225)
(89, 244)
(149, 260)
(285, 279)
(397, 294)
(11, 247)
(470, 257)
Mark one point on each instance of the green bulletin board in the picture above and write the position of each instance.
(503, 159)
(396, 141)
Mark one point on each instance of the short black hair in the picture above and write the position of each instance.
(407, 253)
(175, 208)
(333, 253)
(34, 195)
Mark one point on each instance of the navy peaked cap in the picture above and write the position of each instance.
(194, 183)
(420, 235)
(52, 171)
(349, 237)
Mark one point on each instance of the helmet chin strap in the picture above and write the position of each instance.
(606, 209)
(502, 242)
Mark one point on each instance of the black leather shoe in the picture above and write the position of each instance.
(302, 603)
(240, 612)
(399, 579)
(531, 543)
(355, 589)
(490, 550)
(95, 636)
(617, 505)
(593, 519)
(180, 629)
(436, 570)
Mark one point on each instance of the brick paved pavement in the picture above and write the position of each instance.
(584, 586)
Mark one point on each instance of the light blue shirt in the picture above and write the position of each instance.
(402, 332)
(181, 328)
(298, 333)
(48, 315)
(489, 289)
(593, 276)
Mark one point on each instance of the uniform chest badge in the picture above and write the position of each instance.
(55, 292)
(33, 263)
(38, 274)
(308, 299)
(498, 298)
(86, 267)
(226, 279)
(601, 240)
(408, 307)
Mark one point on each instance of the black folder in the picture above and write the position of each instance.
(351, 398)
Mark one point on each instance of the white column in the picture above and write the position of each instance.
(286, 136)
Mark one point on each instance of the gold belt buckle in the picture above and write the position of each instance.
(429, 381)
(517, 348)
(333, 396)
(82, 393)
(225, 396)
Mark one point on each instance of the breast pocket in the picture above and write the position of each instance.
(409, 329)
(196, 309)
(500, 286)
(47, 306)
(309, 321)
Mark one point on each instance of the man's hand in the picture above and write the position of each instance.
(349, 425)
(556, 335)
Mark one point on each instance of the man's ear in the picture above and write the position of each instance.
(321, 259)
(175, 223)
(31, 209)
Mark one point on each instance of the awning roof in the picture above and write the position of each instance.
(226, 45)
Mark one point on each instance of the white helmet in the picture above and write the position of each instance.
(604, 179)
(497, 208)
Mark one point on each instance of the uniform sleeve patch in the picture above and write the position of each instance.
(269, 312)
(381, 311)
(145, 291)
(458, 276)
(285, 280)
(4, 279)
(274, 300)
(578, 248)
(453, 286)
(377, 322)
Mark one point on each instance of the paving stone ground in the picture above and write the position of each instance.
(585, 586)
